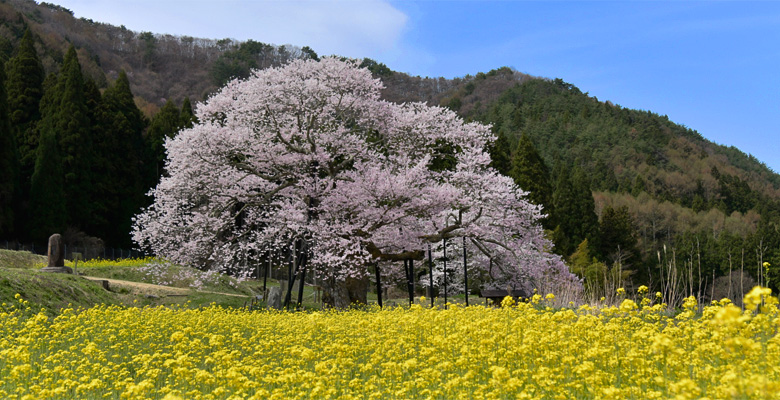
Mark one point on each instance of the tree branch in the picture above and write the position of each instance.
(404, 255)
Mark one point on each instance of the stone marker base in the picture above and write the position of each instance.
(59, 270)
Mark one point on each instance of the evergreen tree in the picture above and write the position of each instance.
(24, 86)
(587, 226)
(574, 212)
(164, 125)
(188, 117)
(532, 175)
(585, 265)
(500, 154)
(100, 164)
(565, 211)
(47, 197)
(72, 124)
(580, 259)
(6, 49)
(605, 179)
(121, 125)
(92, 98)
(32, 205)
(639, 186)
(9, 165)
(618, 241)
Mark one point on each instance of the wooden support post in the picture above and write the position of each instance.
(445, 272)
(292, 271)
(411, 282)
(265, 277)
(465, 273)
(430, 274)
(408, 280)
(302, 283)
(378, 284)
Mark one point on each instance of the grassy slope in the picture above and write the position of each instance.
(19, 274)
(20, 259)
(51, 291)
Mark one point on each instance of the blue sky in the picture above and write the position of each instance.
(712, 66)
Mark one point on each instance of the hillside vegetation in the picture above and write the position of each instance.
(669, 187)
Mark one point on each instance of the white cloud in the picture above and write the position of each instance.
(353, 28)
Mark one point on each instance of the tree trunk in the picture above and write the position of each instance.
(342, 294)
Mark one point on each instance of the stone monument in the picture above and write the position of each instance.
(56, 255)
(274, 298)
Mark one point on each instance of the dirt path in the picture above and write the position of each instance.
(157, 290)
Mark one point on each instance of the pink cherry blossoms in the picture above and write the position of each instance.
(309, 152)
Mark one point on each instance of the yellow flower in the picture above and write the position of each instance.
(508, 302)
(755, 297)
(628, 305)
(690, 303)
(462, 352)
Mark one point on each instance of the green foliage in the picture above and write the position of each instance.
(121, 149)
(25, 89)
(455, 103)
(618, 241)
(617, 145)
(376, 68)
(73, 128)
(573, 211)
(639, 186)
(736, 194)
(532, 175)
(444, 156)
(581, 258)
(165, 124)
(310, 54)
(149, 45)
(47, 195)
(565, 217)
(500, 155)
(188, 118)
(594, 273)
(588, 224)
(6, 49)
(87, 174)
(9, 165)
(670, 170)
(749, 164)
(239, 62)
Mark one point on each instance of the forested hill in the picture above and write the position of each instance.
(629, 182)
(656, 186)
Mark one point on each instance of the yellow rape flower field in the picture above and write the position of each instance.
(519, 351)
(123, 262)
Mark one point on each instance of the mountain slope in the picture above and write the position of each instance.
(160, 67)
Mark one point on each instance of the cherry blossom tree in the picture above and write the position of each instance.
(308, 157)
